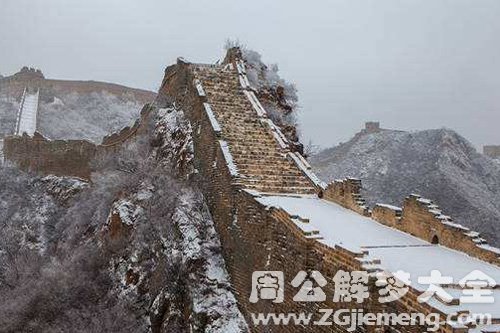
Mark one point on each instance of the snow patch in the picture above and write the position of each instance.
(233, 169)
(211, 117)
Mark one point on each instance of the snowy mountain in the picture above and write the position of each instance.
(71, 109)
(133, 250)
(437, 164)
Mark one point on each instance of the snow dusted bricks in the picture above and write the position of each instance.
(211, 116)
(199, 88)
(278, 135)
(240, 66)
(233, 170)
(261, 112)
(257, 106)
(347, 193)
(424, 219)
(302, 164)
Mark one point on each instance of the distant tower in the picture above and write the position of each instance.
(492, 151)
(372, 127)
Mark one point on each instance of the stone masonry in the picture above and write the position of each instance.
(492, 151)
(240, 155)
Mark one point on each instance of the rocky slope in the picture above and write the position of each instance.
(134, 250)
(437, 164)
(71, 109)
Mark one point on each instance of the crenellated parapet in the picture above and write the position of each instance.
(422, 218)
(347, 193)
(387, 214)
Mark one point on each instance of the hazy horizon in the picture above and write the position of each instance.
(410, 65)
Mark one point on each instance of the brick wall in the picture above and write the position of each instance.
(59, 157)
(347, 193)
(256, 238)
(492, 151)
(66, 157)
(423, 219)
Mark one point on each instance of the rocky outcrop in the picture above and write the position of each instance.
(136, 244)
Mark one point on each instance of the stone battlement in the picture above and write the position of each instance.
(492, 151)
(28, 73)
(424, 219)
(347, 193)
(372, 127)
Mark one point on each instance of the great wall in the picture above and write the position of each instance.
(273, 213)
(492, 151)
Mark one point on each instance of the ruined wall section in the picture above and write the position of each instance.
(66, 157)
(419, 217)
(59, 157)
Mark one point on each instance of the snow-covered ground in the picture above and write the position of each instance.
(397, 250)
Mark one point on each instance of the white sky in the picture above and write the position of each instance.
(409, 64)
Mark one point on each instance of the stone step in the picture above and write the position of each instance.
(281, 189)
(268, 169)
(253, 152)
(275, 183)
(256, 153)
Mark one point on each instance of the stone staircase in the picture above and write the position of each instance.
(262, 163)
(28, 112)
(1, 152)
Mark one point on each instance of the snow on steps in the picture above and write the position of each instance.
(1, 152)
(233, 170)
(27, 114)
(210, 114)
(251, 144)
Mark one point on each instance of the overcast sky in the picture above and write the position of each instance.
(408, 64)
